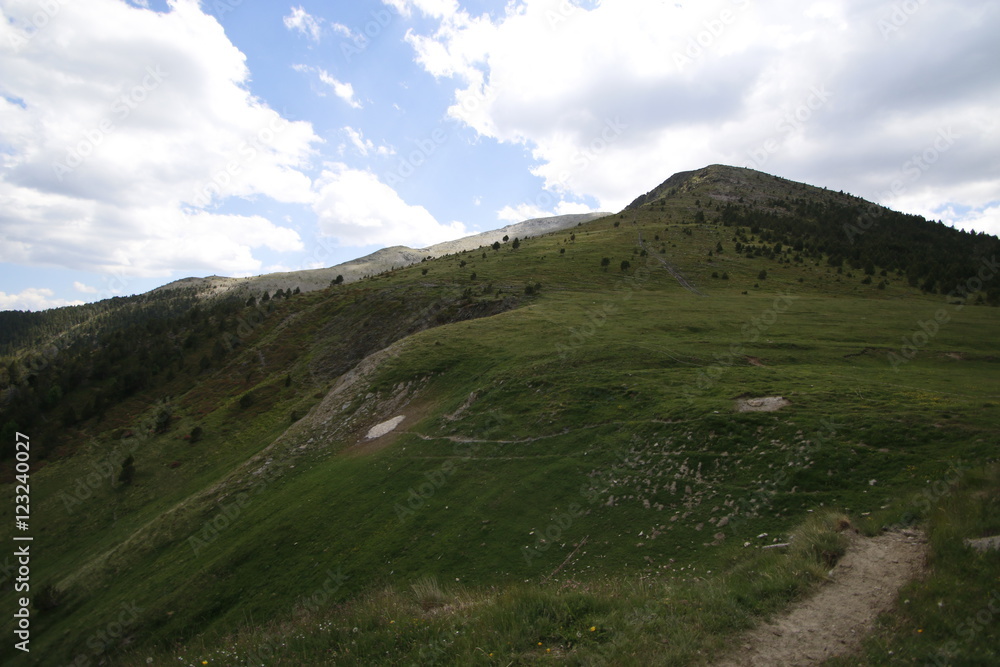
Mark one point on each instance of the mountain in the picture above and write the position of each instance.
(574, 449)
(385, 259)
(36, 336)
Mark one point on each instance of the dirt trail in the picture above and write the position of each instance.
(673, 270)
(835, 620)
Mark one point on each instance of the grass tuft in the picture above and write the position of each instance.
(824, 539)
(429, 593)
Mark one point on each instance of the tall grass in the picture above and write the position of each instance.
(614, 620)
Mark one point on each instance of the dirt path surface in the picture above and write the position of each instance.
(835, 620)
(673, 270)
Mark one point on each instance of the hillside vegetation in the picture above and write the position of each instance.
(571, 480)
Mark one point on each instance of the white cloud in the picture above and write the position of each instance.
(278, 268)
(366, 146)
(434, 8)
(612, 97)
(979, 212)
(86, 289)
(121, 125)
(342, 29)
(401, 6)
(344, 91)
(523, 212)
(985, 220)
(305, 23)
(33, 299)
(358, 209)
(142, 241)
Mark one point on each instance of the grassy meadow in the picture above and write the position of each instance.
(571, 482)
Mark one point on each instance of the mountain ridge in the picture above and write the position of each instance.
(381, 260)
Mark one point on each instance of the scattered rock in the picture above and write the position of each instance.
(462, 408)
(985, 544)
(761, 404)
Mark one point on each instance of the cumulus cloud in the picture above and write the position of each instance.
(123, 128)
(985, 219)
(33, 299)
(522, 212)
(304, 23)
(611, 98)
(358, 209)
(86, 289)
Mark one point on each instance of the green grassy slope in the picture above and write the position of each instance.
(579, 441)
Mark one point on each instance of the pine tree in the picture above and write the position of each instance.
(127, 473)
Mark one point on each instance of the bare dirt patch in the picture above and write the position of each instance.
(833, 622)
(761, 404)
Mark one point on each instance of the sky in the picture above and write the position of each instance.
(145, 141)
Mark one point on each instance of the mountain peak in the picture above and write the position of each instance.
(721, 174)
